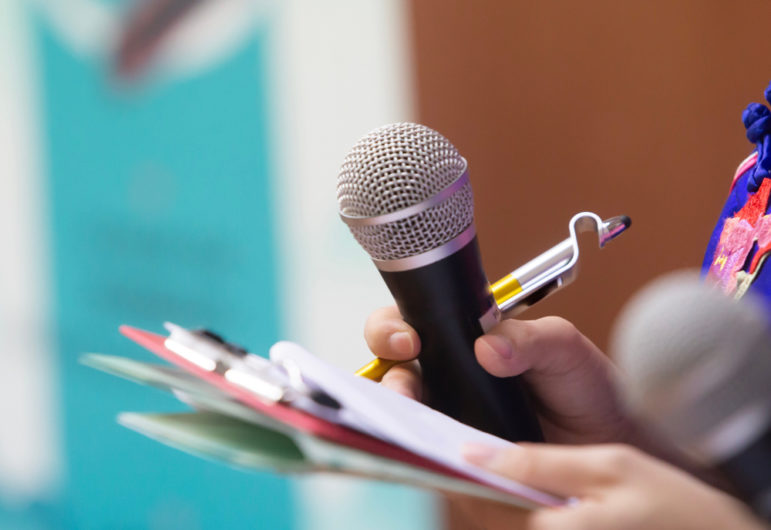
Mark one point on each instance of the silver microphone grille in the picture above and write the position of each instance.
(396, 167)
(694, 358)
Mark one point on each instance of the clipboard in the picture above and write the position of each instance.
(390, 434)
(224, 430)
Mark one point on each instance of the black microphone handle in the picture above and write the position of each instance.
(444, 301)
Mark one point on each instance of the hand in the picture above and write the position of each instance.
(617, 487)
(574, 385)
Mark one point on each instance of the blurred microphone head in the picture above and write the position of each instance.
(698, 364)
(403, 190)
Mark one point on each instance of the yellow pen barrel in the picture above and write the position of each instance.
(377, 368)
(505, 288)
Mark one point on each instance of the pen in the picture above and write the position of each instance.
(535, 280)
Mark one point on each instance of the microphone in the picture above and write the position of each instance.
(404, 192)
(699, 368)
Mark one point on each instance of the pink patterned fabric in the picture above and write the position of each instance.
(732, 251)
(737, 238)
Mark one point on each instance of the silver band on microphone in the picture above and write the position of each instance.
(429, 257)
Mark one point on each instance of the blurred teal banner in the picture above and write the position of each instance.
(159, 210)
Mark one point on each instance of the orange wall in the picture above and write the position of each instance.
(615, 107)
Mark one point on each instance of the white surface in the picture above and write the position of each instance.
(30, 456)
(339, 69)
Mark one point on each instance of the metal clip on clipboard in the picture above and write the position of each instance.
(271, 381)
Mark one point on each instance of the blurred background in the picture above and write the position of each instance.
(176, 160)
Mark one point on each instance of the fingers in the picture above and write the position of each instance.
(549, 345)
(573, 384)
(405, 380)
(561, 470)
(389, 337)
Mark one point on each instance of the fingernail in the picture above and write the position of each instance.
(401, 343)
(479, 454)
(499, 345)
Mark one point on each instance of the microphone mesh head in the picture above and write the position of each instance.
(693, 357)
(395, 167)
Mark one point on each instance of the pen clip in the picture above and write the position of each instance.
(555, 268)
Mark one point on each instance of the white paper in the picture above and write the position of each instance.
(409, 424)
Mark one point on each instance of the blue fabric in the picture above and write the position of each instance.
(757, 120)
(733, 204)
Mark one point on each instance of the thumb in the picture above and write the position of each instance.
(545, 347)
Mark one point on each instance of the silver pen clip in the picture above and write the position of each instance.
(555, 268)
